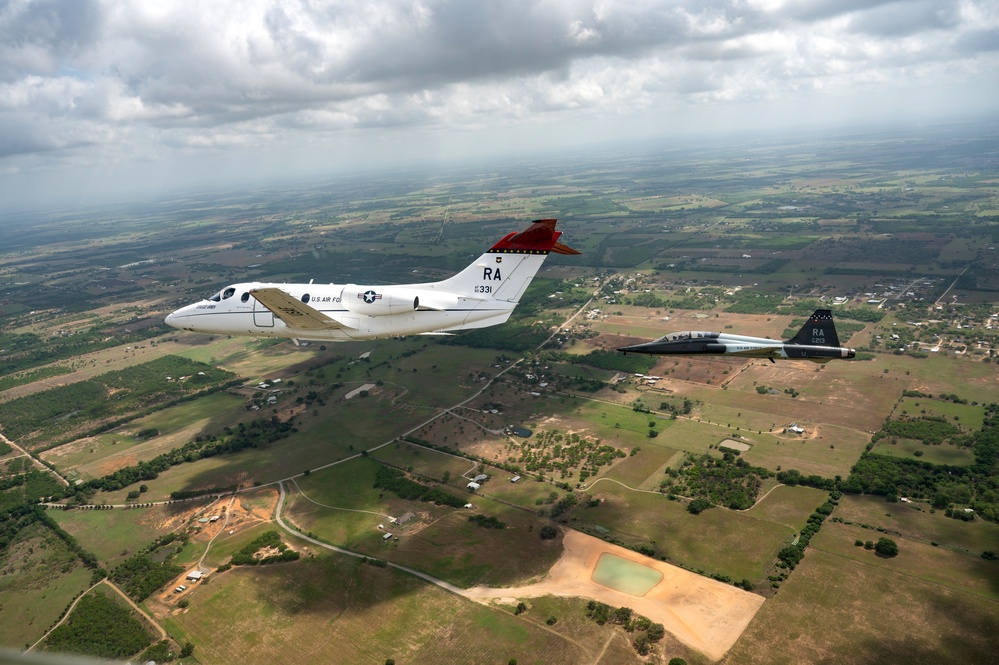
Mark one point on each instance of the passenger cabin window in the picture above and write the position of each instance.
(305, 298)
(228, 293)
(245, 297)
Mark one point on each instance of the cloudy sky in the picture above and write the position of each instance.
(103, 97)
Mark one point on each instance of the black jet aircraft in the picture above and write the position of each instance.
(816, 341)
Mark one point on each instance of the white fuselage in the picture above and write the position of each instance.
(241, 314)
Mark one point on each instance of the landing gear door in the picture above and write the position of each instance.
(262, 317)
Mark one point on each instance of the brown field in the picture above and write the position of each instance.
(704, 614)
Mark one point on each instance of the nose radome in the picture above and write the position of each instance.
(171, 320)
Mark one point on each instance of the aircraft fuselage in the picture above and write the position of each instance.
(239, 313)
(717, 343)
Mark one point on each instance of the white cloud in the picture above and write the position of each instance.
(111, 81)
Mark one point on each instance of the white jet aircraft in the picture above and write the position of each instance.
(483, 294)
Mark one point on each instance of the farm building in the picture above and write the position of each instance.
(194, 575)
(515, 479)
(479, 478)
(473, 486)
(386, 536)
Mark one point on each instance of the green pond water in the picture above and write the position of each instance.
(625, 576)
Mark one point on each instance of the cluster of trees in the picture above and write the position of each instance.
(791, 555)
(139, 576)
(683, 408)
(563, 505)
(946, 397)
(396, 482)
(488, 522)
(794, 477)
(247, 556)
(648, 633)
(729, 481)
(550, 450)
(100, 627)
(933, 430)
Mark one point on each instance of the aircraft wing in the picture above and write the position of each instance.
(294, 312)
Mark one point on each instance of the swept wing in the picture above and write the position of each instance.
(295, 313)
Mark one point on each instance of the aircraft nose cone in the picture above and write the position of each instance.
(172, 320)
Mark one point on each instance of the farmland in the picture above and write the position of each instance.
(99, 393)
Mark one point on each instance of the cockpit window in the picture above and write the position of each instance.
(228, 293)
(217, 297)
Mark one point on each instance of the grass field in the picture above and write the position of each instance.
(789, 506)
(966, 416)
(114, 535)
(921, 525)
(341, 430)
(441, 541)
(336, 609)
(697, 541)
(426, 461)
(645, 468)
(834, 609)
(40, 577)
(959, 571)
(941, 454)
(936, 374)
(832, 452)
(224, 546)
(97, 456)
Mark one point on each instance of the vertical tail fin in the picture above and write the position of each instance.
(507, 268)
(819, 330)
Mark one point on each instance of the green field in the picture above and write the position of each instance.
(442, 542)
(941, 454)
(114, 535)
(40, 577)
(966, 416)
(334, 608)
(917, 522)
(696, 541)
(177, 425)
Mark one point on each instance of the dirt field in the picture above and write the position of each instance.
(706, 615)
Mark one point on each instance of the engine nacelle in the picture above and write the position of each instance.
(378, 300)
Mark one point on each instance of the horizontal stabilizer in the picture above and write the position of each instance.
(295, 313)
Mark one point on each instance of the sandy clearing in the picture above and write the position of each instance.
(704, 614)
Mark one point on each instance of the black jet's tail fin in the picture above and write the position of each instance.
(817, 331)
